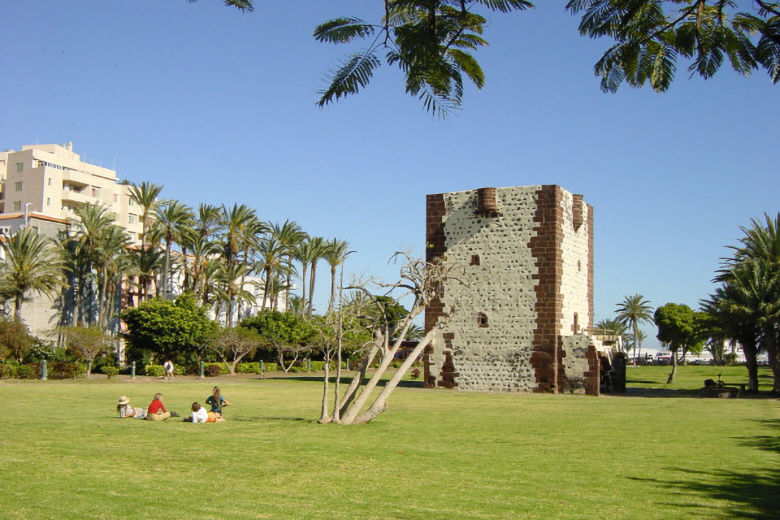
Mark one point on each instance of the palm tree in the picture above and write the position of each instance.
(234, 220)
(743, 307)
(32, 263)
(111, 264)
(753, 276)
(335, 253)
(632, 311)
(146, 264)
(145, 196)
(271, 262)
(231, 289)
(616, 328)
(91, 228)
(172, 217)
(208, 220)
(289, 234)
(250, 237)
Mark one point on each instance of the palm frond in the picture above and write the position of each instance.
(353, 75)
(342, 30)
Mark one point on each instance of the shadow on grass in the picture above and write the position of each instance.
(346, 380)
(259, 418)
(750, 495)
(684, 392)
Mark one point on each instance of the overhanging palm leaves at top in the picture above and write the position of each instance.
(431, 41)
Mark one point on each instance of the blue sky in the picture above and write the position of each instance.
(219, 107)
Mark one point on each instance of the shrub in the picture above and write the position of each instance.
(110, 371)
(180, 370)
(27, 372)
(248, 368)
(270, 367)
(7, 370)
(211, 370)
(65, 369)
(317, 366)
(154, 370)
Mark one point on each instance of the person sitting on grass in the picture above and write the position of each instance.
(199, 414)
(156, 410)
(126, 410)
(216, 401)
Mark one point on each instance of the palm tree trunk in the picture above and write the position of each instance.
(332, 288)
(311, 287)
(303, 288)
(18, 301)
(266, 286)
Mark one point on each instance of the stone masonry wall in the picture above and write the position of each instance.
(529, 268)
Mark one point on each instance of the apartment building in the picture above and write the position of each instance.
(52, 180)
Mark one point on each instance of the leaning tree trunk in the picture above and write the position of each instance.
(324, 417)
(674, 367)
(380, 403)
(357, 380)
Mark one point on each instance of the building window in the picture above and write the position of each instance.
(17, 205)
(116, 197)
(18, 186)
(482, 319)
(49, 181)
(19, 167)
(132, 219)
(48, 201)
(474, 260)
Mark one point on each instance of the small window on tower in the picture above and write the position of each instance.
(482, 319)
(474, 260)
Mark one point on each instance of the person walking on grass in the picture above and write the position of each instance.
(168, 367)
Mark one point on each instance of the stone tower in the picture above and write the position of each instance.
(518, 325)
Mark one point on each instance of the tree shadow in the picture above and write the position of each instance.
(261, 418)
(346, 380)
(685, 393)
(751, 495)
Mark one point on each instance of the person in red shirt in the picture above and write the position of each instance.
(156, 410)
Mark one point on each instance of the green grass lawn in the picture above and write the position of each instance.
(435, 454)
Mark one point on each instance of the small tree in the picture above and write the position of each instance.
(15, 339)
(422, 281)
(233, 344)
(168, 328)
(679, 327)
(337, 333)
(287, 333)
(87, 343)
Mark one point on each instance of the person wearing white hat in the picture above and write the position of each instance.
(126, 410)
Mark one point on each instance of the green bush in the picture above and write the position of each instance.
(317, 366)
(270, 367)
(154, 370)
(27, 372)
(248, 368)
(65, 370)
(211, 370)
(7, 370)
(220, 366)
(180, 370)
(110, 371)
